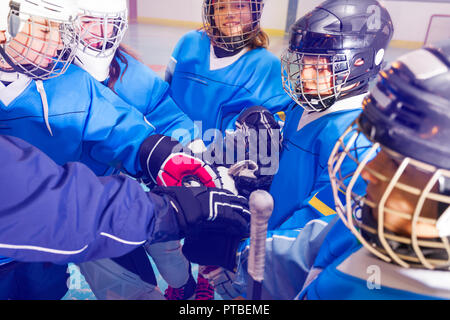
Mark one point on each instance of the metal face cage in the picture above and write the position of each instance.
(232, 24)
(314, 81)
(101, 33)
(366, 217)
(43, 49)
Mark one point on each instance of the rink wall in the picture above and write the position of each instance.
(412, 18)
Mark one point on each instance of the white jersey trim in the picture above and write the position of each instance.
(433, 283)
(351, 103)
(216, 63)
(19, 83)
(42, 249)
(133, 243)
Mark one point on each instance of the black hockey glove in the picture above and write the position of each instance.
(166, 162)
(259, 135)
(213, 222)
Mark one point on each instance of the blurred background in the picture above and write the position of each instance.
(157, 25)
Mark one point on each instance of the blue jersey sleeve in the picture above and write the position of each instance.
(67, 214)
(320, 202)
(143, 89)
(114, 131)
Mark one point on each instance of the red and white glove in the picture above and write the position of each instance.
(167, 163)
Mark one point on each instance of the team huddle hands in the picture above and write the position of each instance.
(355, 176)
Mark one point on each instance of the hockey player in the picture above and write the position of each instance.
(67, 214)
(101, 26)
(219, 71)
(88, 123)
(49, 280)
(223, 70)
(392, 242)
(334, 51)
(402, 222)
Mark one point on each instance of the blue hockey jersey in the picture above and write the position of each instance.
(85, 121)
(216, 96)
(301, 188)
(143, 89)
(344, 270)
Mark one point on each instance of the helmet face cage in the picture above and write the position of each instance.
(354, 210)
(44, 49)
(314, 81)
(232, 24)
(101, 33)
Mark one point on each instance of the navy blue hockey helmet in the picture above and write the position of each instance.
(407, 117)
(346, 37)
(408, 110)
(239, 22)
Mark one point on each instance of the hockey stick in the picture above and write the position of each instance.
(261, 207)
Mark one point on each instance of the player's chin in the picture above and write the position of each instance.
(232, 32)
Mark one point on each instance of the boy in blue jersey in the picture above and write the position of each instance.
(334, 52)
(88, 123)
(401, 224)
(391, 243)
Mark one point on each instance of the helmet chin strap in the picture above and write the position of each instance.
(98, 67)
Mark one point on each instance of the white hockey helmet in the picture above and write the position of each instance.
(101, 25)
(38, 57)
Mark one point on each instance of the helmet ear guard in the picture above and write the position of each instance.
(14, 22)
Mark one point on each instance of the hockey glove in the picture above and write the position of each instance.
(167, 163)
(213, 222)
(259, 135)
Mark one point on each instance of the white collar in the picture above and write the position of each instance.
(361, 265)
(351, 103)
(19, 83)
(216, 63)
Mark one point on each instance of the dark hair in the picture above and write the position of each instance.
(114, 68)
(260, 41)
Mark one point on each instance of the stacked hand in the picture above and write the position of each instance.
(213, 222)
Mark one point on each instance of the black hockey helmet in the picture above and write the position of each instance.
(349, 37)
(407, 115)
